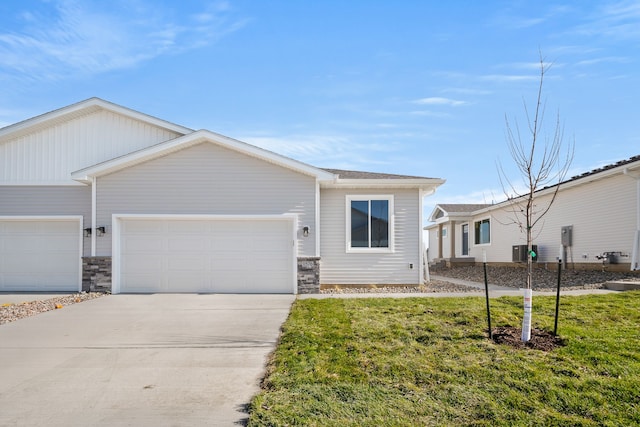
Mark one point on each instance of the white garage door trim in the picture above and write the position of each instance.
(78, 219)
(117, 220)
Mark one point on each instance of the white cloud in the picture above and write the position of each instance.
(87, 38)
(606, 60)
(334, 151)
(510, 77)
(440, 101)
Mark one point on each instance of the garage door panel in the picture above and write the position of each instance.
(40, 254)
(207, 255)
(59, 242)
(187, 243)
(142, 226)
(189, 263)
(135, 263)
(57, 263)
(141, 243)
(188, 283)
(187, 227)
(141, 283)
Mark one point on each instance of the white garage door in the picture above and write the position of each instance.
(40, 254)
(206, 255)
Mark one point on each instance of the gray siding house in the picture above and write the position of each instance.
(594, 223)
(98, 196)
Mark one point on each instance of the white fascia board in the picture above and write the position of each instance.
(79, 109)
(194, 138)
(69, 183)
(425, 184)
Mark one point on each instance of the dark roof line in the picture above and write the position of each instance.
(349, 174)
(596, 171)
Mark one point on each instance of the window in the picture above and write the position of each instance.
(482, 232)
(444, 232)
(369, 223)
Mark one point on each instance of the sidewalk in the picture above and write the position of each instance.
(495, 291)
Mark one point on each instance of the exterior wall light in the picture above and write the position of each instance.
(305, 231)
(100, 231)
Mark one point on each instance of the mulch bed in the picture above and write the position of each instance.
(540, 340)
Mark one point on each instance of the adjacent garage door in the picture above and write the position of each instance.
(205, 255)
(40, 254)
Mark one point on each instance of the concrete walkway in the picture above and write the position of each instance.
(139, 360)
(495, 291)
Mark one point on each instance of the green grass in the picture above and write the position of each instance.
(428, 361)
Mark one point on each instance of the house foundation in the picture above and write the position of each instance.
(308, 275)
(96, 274)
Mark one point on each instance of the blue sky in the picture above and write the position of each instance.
(408, 87)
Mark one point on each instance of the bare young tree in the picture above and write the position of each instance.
(541, 162)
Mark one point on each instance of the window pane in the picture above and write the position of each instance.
(359, 224)
(379, 223)
(482, 232)
(485, 231)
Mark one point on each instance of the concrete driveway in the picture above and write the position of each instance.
(139, 360)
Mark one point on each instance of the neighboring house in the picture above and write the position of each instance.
(98, 196)
(594, 221)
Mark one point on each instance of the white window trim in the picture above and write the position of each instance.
(490, 231)
(368, 197)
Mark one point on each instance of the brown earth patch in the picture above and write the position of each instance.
(540, 339)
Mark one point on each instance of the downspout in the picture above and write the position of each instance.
(317, 230)
(93, 216)
(421, 260)
(635, 261)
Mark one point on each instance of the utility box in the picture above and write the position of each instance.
(519, 253)
(565, 235)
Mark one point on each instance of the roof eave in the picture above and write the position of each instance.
(425, 184)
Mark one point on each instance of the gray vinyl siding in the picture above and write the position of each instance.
(207, 179)
(602, 213)
(339, 267)
(50, 155)
(48, 201)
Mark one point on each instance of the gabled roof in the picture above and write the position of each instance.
(82, 108)
(201, 136)
(328, 178)
(455, 210)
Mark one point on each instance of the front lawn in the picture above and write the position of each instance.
(428, 361)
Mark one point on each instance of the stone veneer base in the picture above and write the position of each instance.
(96, 274)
